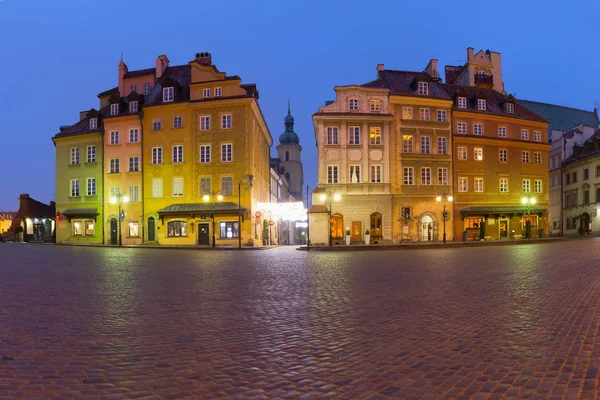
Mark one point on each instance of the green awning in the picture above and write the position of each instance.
(493, 210)
(200, 209)
(80, 213)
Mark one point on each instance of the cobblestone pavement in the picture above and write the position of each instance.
(483, 323)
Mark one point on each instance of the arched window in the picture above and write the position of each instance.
(376, 225)
(176, 228)
(337, 226)
(287, 156)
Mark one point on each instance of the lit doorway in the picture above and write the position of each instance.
(427, 229)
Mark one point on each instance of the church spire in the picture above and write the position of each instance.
(289, 136)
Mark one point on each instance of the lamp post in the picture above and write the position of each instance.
(444, 197)
(120, 199)
(528, 202)
(211, 197)
(330, 196)
(248, 179)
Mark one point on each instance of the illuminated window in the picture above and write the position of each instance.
(478, 185)
(463, 184)
(176, 229)
(407, 144)
(375, 225)
(229, 230)
(134, 229)
(77, 228)
(407, 113)
(477, 154)
(337, 226)
(374, 105)
(462, 153)
(375, 135)
(89, 228)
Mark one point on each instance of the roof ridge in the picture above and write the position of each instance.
(557, 105)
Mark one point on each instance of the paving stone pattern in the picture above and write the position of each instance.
(484, 323)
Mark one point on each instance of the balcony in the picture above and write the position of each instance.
(484, 80)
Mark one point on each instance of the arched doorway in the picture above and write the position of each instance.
(114, 231)
(426, 228)
(151, 229)
(375, 225)
(337, 226)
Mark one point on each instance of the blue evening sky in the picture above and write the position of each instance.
(56, 55)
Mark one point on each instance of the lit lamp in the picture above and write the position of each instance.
(443, 198)
(329, 197)
(528, 202)
(120, 199)
(211, 197)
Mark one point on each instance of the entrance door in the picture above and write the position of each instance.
(503, 228)
(356, 231)
(427, 229)
(151, 229)
(203, 236)
(113, 231)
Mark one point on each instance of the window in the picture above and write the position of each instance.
(503, 185)
(374, 105)
(177, 121)
(537, 136)
(425, 145)
(407, 113)
(524, 134)
(114, 166)
(134, 193)
(115, 191)
(133, 89)
(574, 176)
(89, 228)
(481, 104)
(537, 186)
(114, 109)
(586, 196)
(77, 228)
(408, 174)
(226, 121)
(510, 108)
(375, 135)
(332, 174)
(426, 176)
(462, 128)
(423, 88)
(525, 157)
(355, 174)
(133, 106)
(463, 184)
(332, 135)
(424, 114)
(114, 137)
(526, 185)
(93, 123)
(134, 135)
(568, 180)
(134, 229)
(205, 154)
(74, 187)
(147, 88)
(598, 170)
(74, 155)
(227, 186)
(91, 154)
(205, 186)
(205, 123)
(353, 135)
(503, 155)
(442, 116)
(134, 164)
(156, 124)
(462, 102)
(478, 154)
(287, 155)
(206, 93)
(537, 157)
(91, 187)
(375, 173)
(176, 229)
(375, 220)
(405, 213)
(478, 185)
(177, 187)
(586, 174)
(442, 176)
(462, 153)
(167, 94)
(177, 153)
(502, 131)
(157, 155)
(157, 188)
(353, 104)
(226, 152)
(407, 144)
(229, 230)
(218, 92)
(442, 145)
(477, 129)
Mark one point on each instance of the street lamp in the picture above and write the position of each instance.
(443, 198)
(120, 199)
(528, 202)
(248, 179)
(330, 196)
(211, 197)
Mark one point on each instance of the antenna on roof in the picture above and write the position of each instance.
(288, 105)
(121, 55)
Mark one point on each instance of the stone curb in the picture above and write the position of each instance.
(221, 248)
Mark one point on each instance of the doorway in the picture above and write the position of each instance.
(356, 231)
(503, 225)
(203, 236)
(427, 229)
(113, 231)
(151, 229)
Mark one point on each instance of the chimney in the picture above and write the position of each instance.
(122, 71)
(203, 58)
(380, 68)
(162, 62)
(470, 53)
(432, 68)
(82, 115)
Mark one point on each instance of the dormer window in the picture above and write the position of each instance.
(114, 109)
(462, 102)
(481, 104)
(375, 106)
(510, 108)
(206, 93)
(167, 94)
(218, 92)
(423, 88)
(93, 123)
(353, 104)
(133, 106)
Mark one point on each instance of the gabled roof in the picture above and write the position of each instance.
(140, 72)
(589, 149)
(562, 118)
(400, 83)
(179, 74)
(109, 91)
(83, 126)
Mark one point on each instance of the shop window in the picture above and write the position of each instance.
(229, 230)
(337, 226)
(89, 228)
(134, 229)
(176, 229)
(473, 222)
(376, 219)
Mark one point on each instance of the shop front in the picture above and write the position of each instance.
(503, 222)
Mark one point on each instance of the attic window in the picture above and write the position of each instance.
(206, 93)
(133, 106)
(423, 88)
(481, 104)
(93, 123)
(375, 106)
(114, 109)
(462, 102)
(217, 91)
(510, 108)
(353, 104)
(167, 94)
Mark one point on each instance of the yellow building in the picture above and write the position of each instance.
(6, 219)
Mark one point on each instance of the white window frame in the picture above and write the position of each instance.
(502, 131)
(167, 96)
(423, 88)
(408, 144)
(114, 109)
(91, 186)
(537, 136)
(537, 186)
(205, 156)
(218, 92)
(157, 155)
(408, 176)
(481, 104)
(526, 185)
(93, 123)
(478, 154)
(333, 135)
(133, 106)
(426, 176)
(442, 145)
(424, 114)
(91, 154)
(376, 175)
(352, 170)
(227, 152)
(134, 135)
(537, 157)
(354, 135)
(177, 186)
(463, 184)
(525, 157)
(503, 183)
(407, 113)
(478, 185)
(157, 188)
(227, 186)
(442, 116)
(462, 153)
(442, 174)
(205, 185)
(226, 121)
(147, 89)
(206, 93)
(375, 105)
(461, 128)
(425, 145)
(177, 122)
(478, 129)
(375, 135)
(74, 186)
(74, 155)
(503, 155)
(462, 102)
(157, 124)
(134, 193)
(114, 137)
(115, 166)
(205, 123)
(177, 154)
(353, 104)
(510, 108)
(524, 134)
(333, 174)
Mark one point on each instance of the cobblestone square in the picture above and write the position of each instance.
(474, 323)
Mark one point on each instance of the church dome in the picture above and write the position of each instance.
(289, 136)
